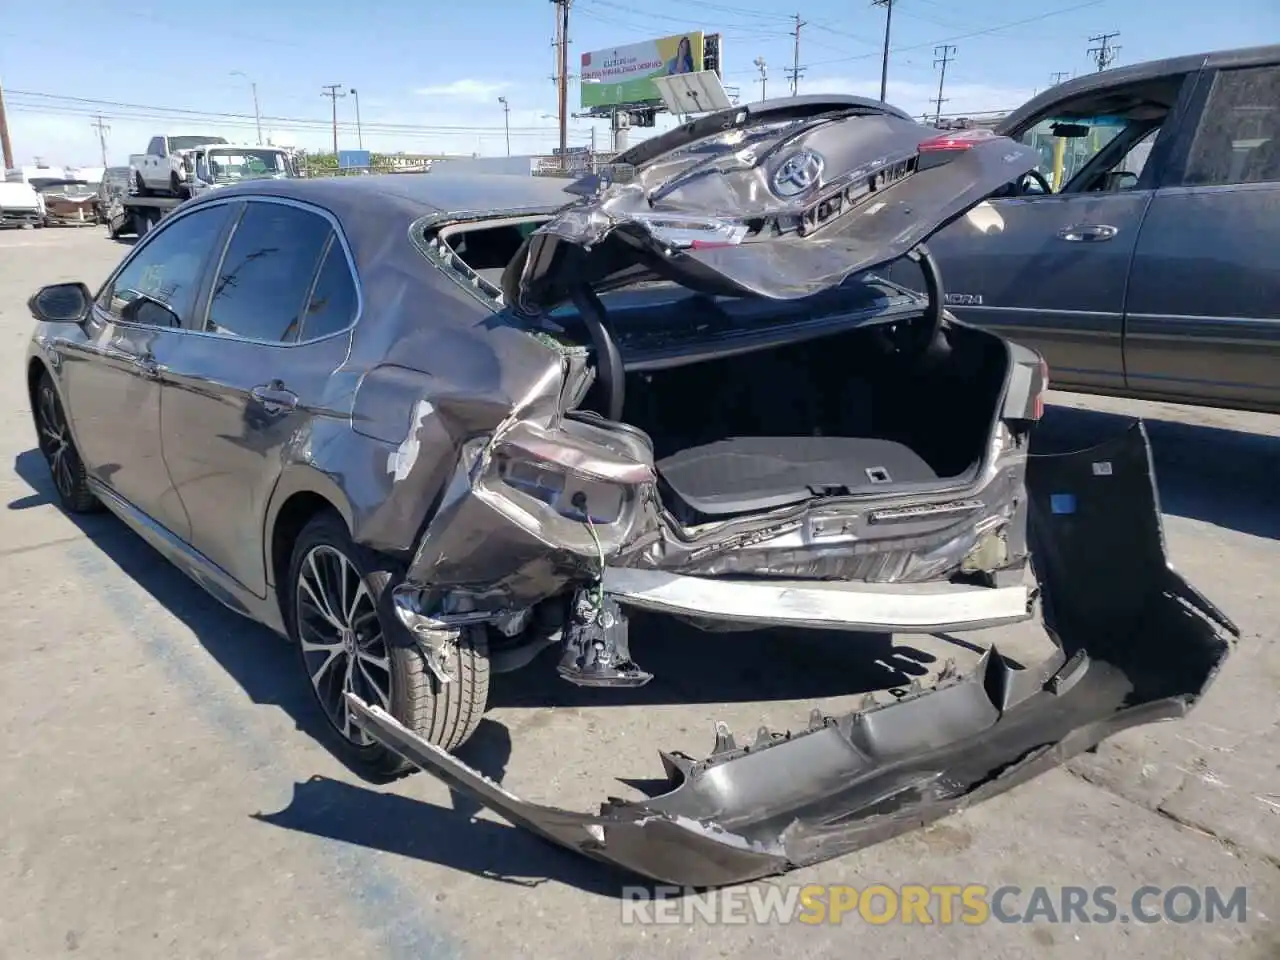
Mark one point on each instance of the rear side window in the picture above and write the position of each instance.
(1238, 140)
(266, 276)
(332, 305)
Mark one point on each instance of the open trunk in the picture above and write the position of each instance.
(831, 416)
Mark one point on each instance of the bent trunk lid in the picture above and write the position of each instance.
(781, 200)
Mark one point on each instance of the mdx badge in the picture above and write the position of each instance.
(797, 173)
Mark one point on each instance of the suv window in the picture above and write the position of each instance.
(169, 267)
(156, 147)
(266, 275)
(332, 306)
(1238, 140)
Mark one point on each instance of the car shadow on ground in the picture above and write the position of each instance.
(1214, 474)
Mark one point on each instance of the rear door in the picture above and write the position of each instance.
(1050, 269)
(274, 327)
(1203, 314)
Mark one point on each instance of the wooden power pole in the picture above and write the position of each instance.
(562, 75)
(5, 146)
(331, 91)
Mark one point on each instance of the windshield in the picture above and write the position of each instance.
(186, 143)
(68, 189)
(246, 164)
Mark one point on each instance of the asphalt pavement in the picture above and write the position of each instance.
(166, 789)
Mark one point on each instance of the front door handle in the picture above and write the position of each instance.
(1087, 232)
(275, 397)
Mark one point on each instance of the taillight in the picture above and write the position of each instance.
(1038, 404)
(956, 140)
(936, 151)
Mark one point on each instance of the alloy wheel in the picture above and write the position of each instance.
(55, 441)
(343, 646)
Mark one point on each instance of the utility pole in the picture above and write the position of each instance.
(796, 70)
(884, 60)
(943, 55)
(102, 127)
(359, 131)
(562, 76)
(1058, 77)
(331, 91)
(5, 146)
(506, 121)
(1104, 54)
(764, 74)
(257, 114)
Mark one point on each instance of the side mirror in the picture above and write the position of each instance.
(149, 312)
(61, 303)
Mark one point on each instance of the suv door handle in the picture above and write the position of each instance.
(1087, 232)
(275, 397)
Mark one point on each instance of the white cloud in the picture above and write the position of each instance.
(466, 89)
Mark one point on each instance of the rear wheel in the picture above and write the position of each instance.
(59, 450)
(350, 640)
(177, 187)
(140, 185)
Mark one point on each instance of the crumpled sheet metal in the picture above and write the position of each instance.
(1136, 643)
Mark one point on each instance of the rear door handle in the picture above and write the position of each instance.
(1087, 232)
(275, 397)
(148, 367)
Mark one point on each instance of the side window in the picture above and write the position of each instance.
(168, 269)
(156, 147)
(332, 306)
(1238, 140)
(265, 278)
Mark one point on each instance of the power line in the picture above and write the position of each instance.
(1104, 54)
(331, 91)
(884, 60)
(90, 107)
(796, 71)
(943, 54)
(103, 128)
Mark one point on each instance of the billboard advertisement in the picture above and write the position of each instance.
(625, 74)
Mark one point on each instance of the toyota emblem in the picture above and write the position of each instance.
(797, 173)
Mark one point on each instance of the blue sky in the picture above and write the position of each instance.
(429, 74)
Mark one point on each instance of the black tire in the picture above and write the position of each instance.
(444, 714)
(177, 187)
(59, 450)
(140, 185)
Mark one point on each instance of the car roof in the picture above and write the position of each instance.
(429, 192)
(1150, 70)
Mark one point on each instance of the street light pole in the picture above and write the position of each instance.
(764, 75)
(506, 121)
(257, 114)
(359, 133)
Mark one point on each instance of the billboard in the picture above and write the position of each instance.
(353, 159)
(625, 74)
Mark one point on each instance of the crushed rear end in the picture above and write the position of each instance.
(571, 503)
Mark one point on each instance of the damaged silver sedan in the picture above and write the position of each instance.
(428, 427)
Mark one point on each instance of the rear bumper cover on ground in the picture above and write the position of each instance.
(1136, 644)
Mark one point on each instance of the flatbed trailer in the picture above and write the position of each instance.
(133, 214)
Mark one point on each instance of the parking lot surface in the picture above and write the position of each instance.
(168, 791)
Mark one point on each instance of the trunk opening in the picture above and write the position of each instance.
(829, 416)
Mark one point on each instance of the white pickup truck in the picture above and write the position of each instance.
(168, 164)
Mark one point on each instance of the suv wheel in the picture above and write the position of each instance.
(59, 450)
(349, 639)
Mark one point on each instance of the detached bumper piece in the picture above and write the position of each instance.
(1136, 643)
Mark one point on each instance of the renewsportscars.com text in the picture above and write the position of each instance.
(942, 904)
